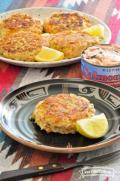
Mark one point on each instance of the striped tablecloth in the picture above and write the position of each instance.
(14, 155)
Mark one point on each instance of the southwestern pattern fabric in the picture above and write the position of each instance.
(14, 155)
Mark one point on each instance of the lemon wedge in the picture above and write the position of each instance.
(93, 127)
(95, 30)
(49, 55)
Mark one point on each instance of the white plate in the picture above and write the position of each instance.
(42, 13)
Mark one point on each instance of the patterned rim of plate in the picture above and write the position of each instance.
(90, 88)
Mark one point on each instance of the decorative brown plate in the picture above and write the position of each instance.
(16, 109)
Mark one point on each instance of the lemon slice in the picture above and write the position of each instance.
(95, 30)
(93, 127)
(49, 55)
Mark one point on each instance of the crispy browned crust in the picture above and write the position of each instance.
(59, 113)
(72, 43)
(21, 45)
(61, 21)
(20, 21)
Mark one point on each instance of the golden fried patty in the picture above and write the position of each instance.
(21, 45)
(21, 21)
(61, 21)
(59, 113)
(72, 43)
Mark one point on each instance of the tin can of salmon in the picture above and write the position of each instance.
(101, 66)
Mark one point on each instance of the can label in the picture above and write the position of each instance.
(107, 75)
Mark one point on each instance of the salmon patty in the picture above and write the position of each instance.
(21, 46)
(22, 22)
(59, 113)
(61, 21)
(72, 43)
